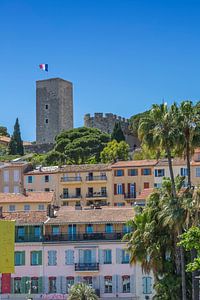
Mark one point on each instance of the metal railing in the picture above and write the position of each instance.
(70, 179)
(96, 195)
(68, 196)
(129, 196)
(28, 238)
(96, 178)
(87, 267)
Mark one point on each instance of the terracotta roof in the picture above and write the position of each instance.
(70, 169)
(134, 163)
(36, 197)
(92, 216)
(175, 162)
(195, 163)
(145, 194)
(24, 218)
(4, 139)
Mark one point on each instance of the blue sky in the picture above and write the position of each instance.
(121, 55)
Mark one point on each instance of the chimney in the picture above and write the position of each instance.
(50, 211)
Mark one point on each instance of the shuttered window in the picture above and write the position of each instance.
(69, 257)
(19, 258)
(36, 258)
(52, 258)
(147, 285)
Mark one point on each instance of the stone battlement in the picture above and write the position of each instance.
(104, 117)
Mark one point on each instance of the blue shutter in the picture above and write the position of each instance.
(69, 257)
(114, 283)
(119, 284)
(58, 284)
(149, 285)
(118, 256)
(182, 172)
(93, 255)
(81, 256)
(101, 256)
(132, 284)
(101, 285)
(156, 173)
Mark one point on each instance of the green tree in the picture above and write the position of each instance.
(159, 133)
(3, 131)
(117, 133)
(115, 151)
(78, 146)
(16, 144)
(81, 291)
(135, 121)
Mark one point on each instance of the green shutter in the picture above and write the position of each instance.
(39, 258)
(40, 285)
(23, 284)
(12, 285)
(27, 285)
(23, 258)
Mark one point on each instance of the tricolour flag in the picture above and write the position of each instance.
(44, 67)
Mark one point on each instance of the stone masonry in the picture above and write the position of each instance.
(107, 122)
(54, 108)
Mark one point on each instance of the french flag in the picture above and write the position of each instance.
(44, 67)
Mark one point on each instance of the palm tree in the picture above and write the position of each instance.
(82, 291)
(159, 132)
(188, 123)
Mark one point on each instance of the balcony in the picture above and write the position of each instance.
(87, 267)
(129, 196)
(67, 196)
(95, 236)
(96, 178)
(28, 238)
(96, 195)
(71, 179)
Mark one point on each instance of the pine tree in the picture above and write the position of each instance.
(117, 133)
(15, 146)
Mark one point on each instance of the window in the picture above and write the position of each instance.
(159, 172)
(11, 207)
(34, 285)
(36, 258)
(6, 189)
(107, 256)
(197, 172)
(146, 171)
(41, 207)
(16, 175)
(146, 185)
(46, 121)
(16, 189)
(55, 230)
(88, 280)
(65, 193)
(27, 207)
(19, 258)
(20, 233)
(184, 172)
(89, 228)
(103, 191)
(119, 172)
(108, 284)
(46, 106)
(37, 231)
(52, 258)
(125, 257)
(52, 285)
(17, 285)
(47, 189)
(30, 179)
(119, 189)
(126, 228)
(147, 285)
(69, 283)
(126, 284)
(78, 192)
(6, 176)
(119, 204)
(158, 185)
(109, 228)
(132, 172)
(86, 256)
(46, 178)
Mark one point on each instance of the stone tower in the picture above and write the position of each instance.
(54, 108)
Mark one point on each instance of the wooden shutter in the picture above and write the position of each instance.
(118, 256)
(12, 285)
(132, 284)
(39, 258)
(114, 283)
(115, 173)
(23, 258)
(58, 284)
(135, 190)
(129, 188)
(156, 173)
(142, 171)
(23, 285)
(115, 189)
(123, 188)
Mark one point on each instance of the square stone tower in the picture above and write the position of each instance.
(54, 108)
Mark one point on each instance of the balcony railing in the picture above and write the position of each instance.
(96, 178)
(87, 267)
(129, 196)
(70, 179)
(28, 238)
(83, 237)
(67, 196)
(96, 195)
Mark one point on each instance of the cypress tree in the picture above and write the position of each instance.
(117, 133)
(15, 146)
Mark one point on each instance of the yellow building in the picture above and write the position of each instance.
(74, 184)
(130, 179)
(11, 176)
(35, 201)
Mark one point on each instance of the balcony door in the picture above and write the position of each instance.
(72, 231)
(87, 256)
